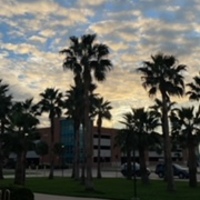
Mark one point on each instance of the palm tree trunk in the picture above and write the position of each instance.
(88, 140)
(99, 149)
(129, 167)
(167, 146)
(51, 155)
(20, 169)
(1, 152)
(1, 162)
(143, 167)
(192, 165)
(76, 166)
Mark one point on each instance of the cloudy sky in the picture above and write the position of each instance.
(33, 32)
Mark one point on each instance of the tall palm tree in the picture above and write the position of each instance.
(5, 105)
(74, 106)
(88, 59)
(164, 76)
(157, 109)
(22, 129)
(51, 103)
(102, 111)
(74, 103)
(185, 125)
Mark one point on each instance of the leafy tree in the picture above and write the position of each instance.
(102, 111)
(51, 103)
(164, 76)
(23, 132)
(185, 127)
(5, 105)
(87, 60)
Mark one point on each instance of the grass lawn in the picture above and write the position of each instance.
(110, 188)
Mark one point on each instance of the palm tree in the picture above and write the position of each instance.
(74, 106)
(51, 103)
(5, 105)
(185, 125)
(102, 111)
(22, 129)
(194, 93)
(157, 109)
(74, 103)
(164, 76)
(85, 58)
(145, 123)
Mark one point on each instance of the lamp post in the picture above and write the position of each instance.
(62, 152)
(135, 197)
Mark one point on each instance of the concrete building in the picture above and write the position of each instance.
(111, 154)
(64, 133)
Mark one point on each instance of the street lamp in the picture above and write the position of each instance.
(62, 152)
(134, 169)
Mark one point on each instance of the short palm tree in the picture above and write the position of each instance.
(86, 58)
(51, 103)
(23, 131)
(145, 123)
(126, 140)
(164, 76)
(102, 111)
(185, 125)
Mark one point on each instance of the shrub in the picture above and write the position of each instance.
(17, 193)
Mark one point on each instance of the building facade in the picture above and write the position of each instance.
(111, 154)
(64, 134)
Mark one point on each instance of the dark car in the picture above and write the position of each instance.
(178, 170)
(134, 170)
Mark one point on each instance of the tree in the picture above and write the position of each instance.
(102, 111)
(125, 139)
(23, 132)
(74, 106)
(185, 126)
(86, 58)
(5, 105)
(142, 125)
(74, 103)
(164, 76)
(145, 123)
(51, 103)
(194, 92)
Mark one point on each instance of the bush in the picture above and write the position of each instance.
(17, 193)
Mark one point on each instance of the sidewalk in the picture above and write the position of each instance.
(54, 197)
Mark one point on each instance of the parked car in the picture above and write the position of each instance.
(134, 170)
(178, 170)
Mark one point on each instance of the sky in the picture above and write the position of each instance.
(33, 32)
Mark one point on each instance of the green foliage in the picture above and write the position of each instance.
(17, 193)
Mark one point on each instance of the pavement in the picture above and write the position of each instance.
(54, 197)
